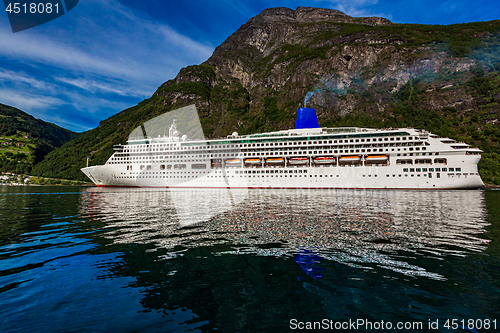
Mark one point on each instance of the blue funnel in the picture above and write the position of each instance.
(306, 118)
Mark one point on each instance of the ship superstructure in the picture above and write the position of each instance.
(346, 157)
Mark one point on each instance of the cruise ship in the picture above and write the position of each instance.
(305, 157)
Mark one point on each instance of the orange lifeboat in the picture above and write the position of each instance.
(324, 160)
(298, 161)
(275, 160)
(253, 161)
(233, 161)
(377, 158)
(350, 159)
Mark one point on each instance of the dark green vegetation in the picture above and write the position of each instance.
(24, 140)
(444, 79)
(458, 39)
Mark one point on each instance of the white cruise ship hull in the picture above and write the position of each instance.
(323, 158)
(323, 177)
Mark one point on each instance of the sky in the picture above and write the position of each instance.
(104, 56)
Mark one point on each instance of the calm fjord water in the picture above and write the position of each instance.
(130, 260)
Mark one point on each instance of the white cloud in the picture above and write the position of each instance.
(356, 8)
(240, 7)
(92, 104)
(94, 86)
(20, 78)
(102, 48)
(123, 48)
(27, 101)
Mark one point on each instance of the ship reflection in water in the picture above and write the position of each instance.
(361, 229)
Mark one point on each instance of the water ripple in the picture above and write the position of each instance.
(351, 227)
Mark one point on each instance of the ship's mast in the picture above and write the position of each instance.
(171, 130)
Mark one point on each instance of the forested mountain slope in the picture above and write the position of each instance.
(24, 140)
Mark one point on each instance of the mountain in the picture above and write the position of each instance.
(355, 71)
(24, 140)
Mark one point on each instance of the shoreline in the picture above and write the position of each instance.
(13, 179)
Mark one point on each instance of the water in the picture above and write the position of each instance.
(143, 260)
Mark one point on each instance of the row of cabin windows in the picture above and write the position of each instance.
(386, 147)
(422, 161)
(177, 147)
(145, 155)
(316, 152)
(270, 171)
(270, 152)
(430, 175)
(418, 154)
(203, 166)
(326, 176)
(294, 143)
(241, 172)
(266, 144)
(169, 167)
(432, 169)
(286, 175)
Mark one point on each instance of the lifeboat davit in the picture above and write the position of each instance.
(298, 161)
(350, 159)
(377, 158)
(275, 160)
(324, 160)
(253, 161)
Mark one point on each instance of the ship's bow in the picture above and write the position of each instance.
(99, 175)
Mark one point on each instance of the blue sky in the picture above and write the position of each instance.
(105, 56)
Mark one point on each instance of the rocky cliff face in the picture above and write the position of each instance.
(354, 71)
(351, 65)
